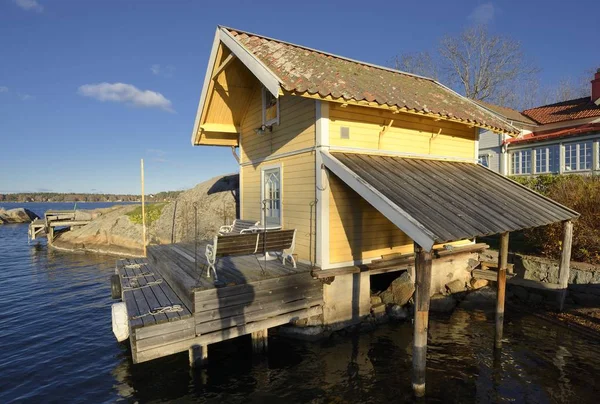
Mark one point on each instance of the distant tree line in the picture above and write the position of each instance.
(165, 196)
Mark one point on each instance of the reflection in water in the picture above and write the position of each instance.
(58, 346)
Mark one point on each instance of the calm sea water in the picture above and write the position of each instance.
(56, 345)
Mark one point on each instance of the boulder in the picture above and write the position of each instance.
(17, 215)
(396, 312)
(535, 298)
(378, 309)
(375, 300)
(441, 304)
(456, 286)
(478, 283)
(400, 291)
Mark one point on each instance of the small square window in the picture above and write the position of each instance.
(344, 132)
(270, 109)
(484, 160)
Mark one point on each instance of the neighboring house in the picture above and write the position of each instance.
(555, 139)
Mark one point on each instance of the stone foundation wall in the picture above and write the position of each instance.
(546, 270)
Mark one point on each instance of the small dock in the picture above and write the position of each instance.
(172, 305)
(54, 220)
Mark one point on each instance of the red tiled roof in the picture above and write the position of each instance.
(556, 133)
(508, 113)
(305, 70)
(564, 111)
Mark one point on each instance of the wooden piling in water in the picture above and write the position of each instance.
(260, 341)
(501, 293)
(422, 297)
(565, 262)
(198, 355)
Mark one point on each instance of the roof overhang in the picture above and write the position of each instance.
(262, 73)
(436, 202)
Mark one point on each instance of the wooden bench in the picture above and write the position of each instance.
(237, 227)
(249, 244)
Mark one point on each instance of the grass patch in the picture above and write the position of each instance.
(153, 212)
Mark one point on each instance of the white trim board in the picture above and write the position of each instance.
(322, 184)
(405, 222)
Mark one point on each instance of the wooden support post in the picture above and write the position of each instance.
(501, 280)
(260, 340)
(198, 355)
(50, 235)
(422, 296)
(565, 262)
(143, 210)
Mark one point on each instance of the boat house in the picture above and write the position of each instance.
(346, 169)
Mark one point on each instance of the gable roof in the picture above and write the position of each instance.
(564, 111)
(304, 71)
(508, 113)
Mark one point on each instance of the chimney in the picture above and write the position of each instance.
(596, 88)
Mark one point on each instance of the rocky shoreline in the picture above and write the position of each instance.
(117, 231)
(17, 216)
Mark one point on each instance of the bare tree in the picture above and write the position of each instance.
(421, 63)
(485, 65)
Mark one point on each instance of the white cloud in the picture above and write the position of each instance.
(25, 97)
(482, 14)
(127, 94)
(3, 89)
(30, 5)
(165, 71)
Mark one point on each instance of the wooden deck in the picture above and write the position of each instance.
(256, 295)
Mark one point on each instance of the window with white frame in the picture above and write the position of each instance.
(271, 203)
(578, 156)
(270, 108)
(484, 160)
(520, 162)
(547, 159)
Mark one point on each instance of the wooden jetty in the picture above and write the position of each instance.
(53, 220)
(173, 307)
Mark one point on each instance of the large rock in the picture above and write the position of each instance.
(216, 201)
(400, 291)
(17, 215)
(456, 286)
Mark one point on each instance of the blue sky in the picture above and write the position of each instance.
(56, 133)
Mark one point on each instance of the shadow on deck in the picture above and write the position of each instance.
(256, 295)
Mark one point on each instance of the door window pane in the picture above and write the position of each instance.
(272, 196)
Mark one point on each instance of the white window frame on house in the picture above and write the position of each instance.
(266, 95)
(517, 161)
(573, 150)
(484, 160)
(543, 159)
(267, 203)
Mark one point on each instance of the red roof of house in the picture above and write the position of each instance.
(304, 70)
(556, 133)
(564, 111)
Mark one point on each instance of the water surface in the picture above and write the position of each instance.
(57, 346)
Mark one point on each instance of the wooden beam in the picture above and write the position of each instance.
(223, 65)
(219, 128)
(423, 261)
(198, 355)
(260, 340)
(502, 265)
(565, 262)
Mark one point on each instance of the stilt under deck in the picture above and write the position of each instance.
(256, 296)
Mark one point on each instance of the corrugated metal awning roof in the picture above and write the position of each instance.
(435, 201)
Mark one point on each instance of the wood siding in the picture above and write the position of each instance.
(295, 132)
(357, 231)
(296, 129)
(408, 133)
